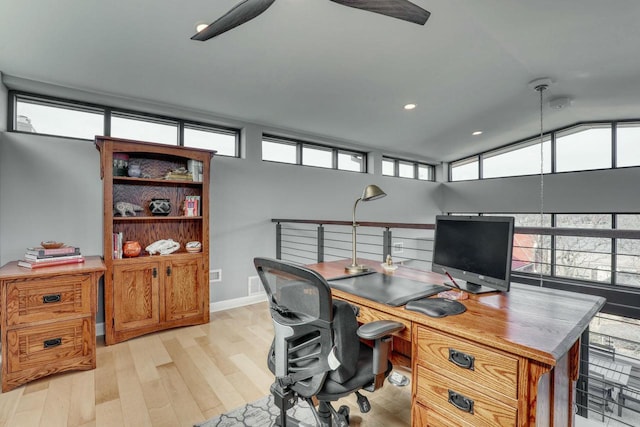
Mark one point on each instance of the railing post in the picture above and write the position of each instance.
(582, 397)
(386, 243)
(320, 242)
(278, 241)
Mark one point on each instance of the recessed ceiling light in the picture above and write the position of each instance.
(410, 106)
(476, 133)
(201, 26)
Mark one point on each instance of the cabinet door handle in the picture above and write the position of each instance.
(461, 359)
(461, 402)
(48, 299)
(52, 342)
(168, 270)
(155, 272)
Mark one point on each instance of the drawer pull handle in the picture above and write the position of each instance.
(461, 359)
(52, 342)
(48, 299)
(155, 272)
(459, 401)
(168, 270)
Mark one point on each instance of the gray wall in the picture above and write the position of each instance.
(50, 189)
(612, 190)
(3, 126)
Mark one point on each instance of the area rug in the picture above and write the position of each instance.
(261, 413)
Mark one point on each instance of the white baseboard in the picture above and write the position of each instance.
(213, 307)
(99, 329)
(236, 302)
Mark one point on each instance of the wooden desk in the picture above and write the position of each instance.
(48, 320)
(524, 344)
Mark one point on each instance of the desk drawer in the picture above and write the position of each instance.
(488, 368)
(447, 396)
(51, 345)
(47, 299)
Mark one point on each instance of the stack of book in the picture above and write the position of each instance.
(38, 257)
(117, 239)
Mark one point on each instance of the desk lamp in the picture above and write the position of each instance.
(371, 192)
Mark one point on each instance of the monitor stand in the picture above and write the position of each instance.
(472, 288)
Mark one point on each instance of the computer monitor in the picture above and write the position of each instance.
(475, 250)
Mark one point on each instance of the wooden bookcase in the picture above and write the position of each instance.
(149, 293)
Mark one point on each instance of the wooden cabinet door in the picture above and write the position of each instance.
(184, 289)
(136, 295)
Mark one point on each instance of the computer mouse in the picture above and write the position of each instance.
(436, 307)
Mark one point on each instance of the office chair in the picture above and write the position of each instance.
(317, 351)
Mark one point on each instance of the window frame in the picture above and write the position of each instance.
(301, 144)
(416, 168)
(108, 112)
(550, 136)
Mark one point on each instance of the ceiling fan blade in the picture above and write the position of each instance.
(401, 9)
(241, 13)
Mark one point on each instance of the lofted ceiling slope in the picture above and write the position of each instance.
(317, 67)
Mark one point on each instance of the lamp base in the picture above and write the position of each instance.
(354, 269)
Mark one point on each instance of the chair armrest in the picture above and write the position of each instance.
(379, 329)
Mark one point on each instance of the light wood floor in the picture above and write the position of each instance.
(176, 378)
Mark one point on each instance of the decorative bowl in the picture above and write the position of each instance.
(50, 244)
(193, 247)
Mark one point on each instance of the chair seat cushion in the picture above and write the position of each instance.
(333, 390)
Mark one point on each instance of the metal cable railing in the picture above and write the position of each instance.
(555, 256)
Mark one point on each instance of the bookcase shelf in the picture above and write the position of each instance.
(155, 218)
(150, 293)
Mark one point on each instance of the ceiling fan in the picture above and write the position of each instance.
(249, 9)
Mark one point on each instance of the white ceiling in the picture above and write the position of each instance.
(317, 67)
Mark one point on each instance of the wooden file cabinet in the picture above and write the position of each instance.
(47, 318)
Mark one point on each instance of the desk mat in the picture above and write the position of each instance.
(385, 288)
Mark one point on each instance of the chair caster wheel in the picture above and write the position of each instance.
(343, 413)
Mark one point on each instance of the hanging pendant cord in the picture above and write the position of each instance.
(541, 88)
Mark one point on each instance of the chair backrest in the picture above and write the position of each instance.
(314, 335)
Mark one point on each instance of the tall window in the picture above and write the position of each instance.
(285, 150)
(628, 252)
(578, 257)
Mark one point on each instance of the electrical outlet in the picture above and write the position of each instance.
(398, 247)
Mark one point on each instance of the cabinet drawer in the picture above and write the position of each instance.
(462, 401)
(52, 344)
(423, 417)
(367, 315)
(48, 299)
(488, 368)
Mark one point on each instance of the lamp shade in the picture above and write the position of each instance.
(372, 192)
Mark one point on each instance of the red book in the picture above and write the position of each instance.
(50, 263)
